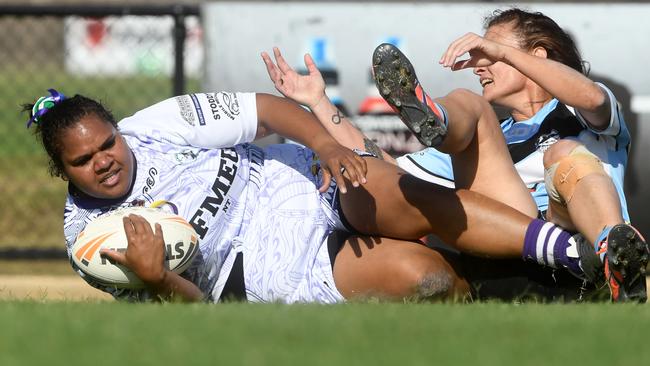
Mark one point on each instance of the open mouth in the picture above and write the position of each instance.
(111, 178)
(485, 82)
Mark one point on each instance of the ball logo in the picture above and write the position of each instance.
(179, 253)
(107, 232)
(86, 252)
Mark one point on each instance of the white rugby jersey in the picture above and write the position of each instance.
(184, 155)
(528, 140)
(264, 204)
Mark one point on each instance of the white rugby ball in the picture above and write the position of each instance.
(107, 231)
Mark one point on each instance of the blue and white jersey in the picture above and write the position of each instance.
(528, 140)
(192, 151)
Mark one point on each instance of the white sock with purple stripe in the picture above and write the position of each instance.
(550, 245)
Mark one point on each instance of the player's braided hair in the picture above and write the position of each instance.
(538, 30)
(58, 118)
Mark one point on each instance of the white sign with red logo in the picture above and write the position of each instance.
(129, 45)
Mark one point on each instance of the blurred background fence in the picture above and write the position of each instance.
(126, 56)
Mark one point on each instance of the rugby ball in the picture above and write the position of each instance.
(107, 231)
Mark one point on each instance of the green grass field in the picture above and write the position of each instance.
(350, 334)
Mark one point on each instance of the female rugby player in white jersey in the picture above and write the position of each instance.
(529, 65)
(262, 205)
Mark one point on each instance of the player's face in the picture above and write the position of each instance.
(502, 83)
(96, 158)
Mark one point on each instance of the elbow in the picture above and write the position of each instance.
(595, 99)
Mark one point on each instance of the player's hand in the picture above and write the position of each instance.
(482, 52)
(333, 157)
(307, 90)
(145, 253)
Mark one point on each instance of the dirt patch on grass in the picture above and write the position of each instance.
(48, 288)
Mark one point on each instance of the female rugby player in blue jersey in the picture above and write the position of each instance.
(529, 65)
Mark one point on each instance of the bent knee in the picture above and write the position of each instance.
(571, 163)
(426, 281)
(468, 99)
(559, 150)
(435, 285)
(465, 94)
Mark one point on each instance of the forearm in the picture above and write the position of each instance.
(566, 84)
(288, 119)
(342, 129)
(173, 287)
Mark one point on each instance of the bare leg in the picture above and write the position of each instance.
(480, 158)
(395, 269)
(583, 196)
(461, 124)
(393, 203)
(594, 202)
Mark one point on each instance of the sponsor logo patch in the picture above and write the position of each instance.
(229, 100)
(199, 110)
(186, 110)
(185, 156)
(545, 141)
(223, 104)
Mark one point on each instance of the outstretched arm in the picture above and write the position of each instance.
(566, 84)
(286, 118)
(309, 90)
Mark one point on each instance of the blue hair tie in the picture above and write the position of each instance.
(43, 104)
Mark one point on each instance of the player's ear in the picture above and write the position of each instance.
(540, 52)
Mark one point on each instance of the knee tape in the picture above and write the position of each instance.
(562, 177)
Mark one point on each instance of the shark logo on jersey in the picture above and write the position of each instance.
(185, 108)
(545, 141)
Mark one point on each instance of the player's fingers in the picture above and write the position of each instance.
(444, 59)
(453, 50)
(271, 69)
(311, 65)
(327, 178)
(361, 167)
(338, 176)
(466, 45)
(140, 224)
(114, 255)
(129, 230)
(449, 57)
(351, 171)
(282, 64)
(158, 235)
